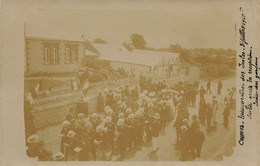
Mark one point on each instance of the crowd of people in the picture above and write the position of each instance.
(129, 118)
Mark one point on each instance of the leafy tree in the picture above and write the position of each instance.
(128, 46)
(184, 55)
(138, 41)
(91, 62)
(175, 48)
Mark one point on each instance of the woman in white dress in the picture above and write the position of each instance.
(215, 110)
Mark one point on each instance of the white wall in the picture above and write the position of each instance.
(131, 67)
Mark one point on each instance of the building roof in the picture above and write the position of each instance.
(111, 52)
(118, 53)
(153, 58)
(90, 53)
(56, 39)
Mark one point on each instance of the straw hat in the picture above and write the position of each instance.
(164, 90)
(161, 102)
(106, 108)
(148, 100)
(121, 115)
(81, 121)
(141, 110)
(59, 156)
(120, 121)
(131, 116)
(99, 128)
(176, 92)
(142, 95)
(123, 105)
(138, 113)
(128, 110)
(71, 133)
(81, 115)
(108, 119)
(65, 123)
(156, 116)
(94, 115)
(88, 124)
(185, 120)
(150, 105)
(119, 102)
(183, 127)
(33, 139)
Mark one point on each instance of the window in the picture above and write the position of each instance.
(73, 56)
(47, 55)
(71, 53)
(68, 59)
(51, 53)
(54, 55)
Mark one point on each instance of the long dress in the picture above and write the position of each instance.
(172, 109)
(215, 110)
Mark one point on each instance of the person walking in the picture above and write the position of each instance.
(202, 92)
(208, 87)
(202, 111)
(198, 140)
(184, 142)
(215, 110)
(209, 117)
(219, 87)
(226, 114)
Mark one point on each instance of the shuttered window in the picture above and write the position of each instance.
(47, 56)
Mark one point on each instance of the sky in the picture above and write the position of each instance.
(191, 28)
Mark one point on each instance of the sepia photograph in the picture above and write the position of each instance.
(130, 85)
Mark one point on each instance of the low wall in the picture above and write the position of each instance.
(54, 112)
(57, 113)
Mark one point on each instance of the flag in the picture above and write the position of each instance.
(37, 87)
(75, 85)
(85, 85)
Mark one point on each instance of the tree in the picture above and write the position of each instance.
(100, 41)
(127, 46)
(184, 55)
(175, 48)
(138, 41)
